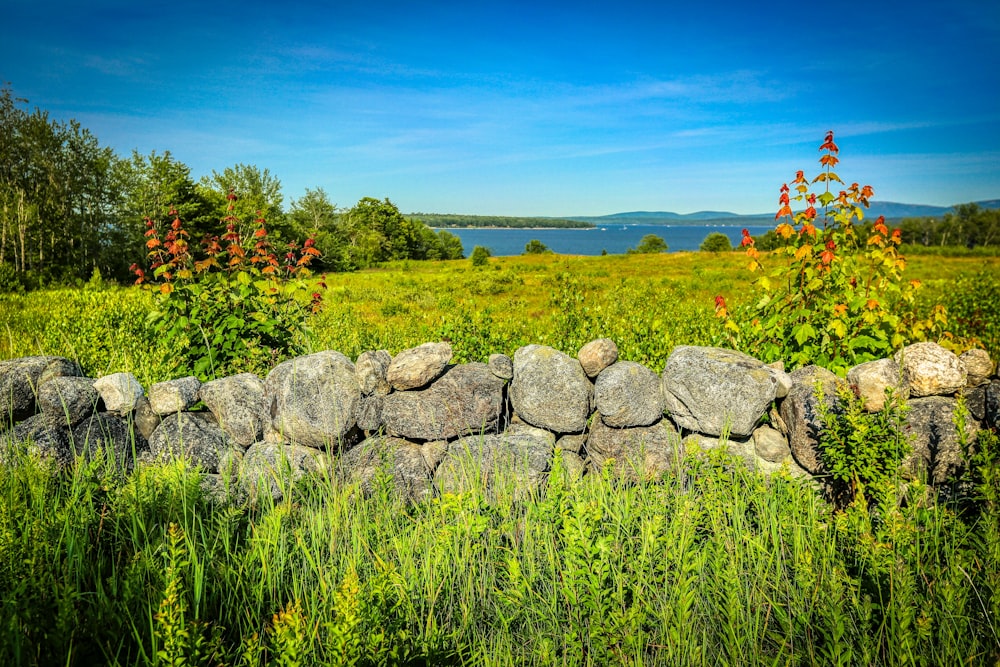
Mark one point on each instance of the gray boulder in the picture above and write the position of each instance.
(272, 469)
(936, 447)
(39, 436)
(166, 398)
(144, 419)
(502, 366)
(872, 378)
(931, 370)
(770, 445)
(628, 394)
(515, 462)
(597, 355)
(108, 433)
(238, 404)
(800, 417)
(20, 380)
(371, 368)
(645, 452)
(572, 443)
(467, 399)
(403, 461)
(550, 390)
(370, 413)
(978, 366)
(418, 366)
(121, 392)
(67, 401)
(313, 400)
(713, 390)
(192, 436)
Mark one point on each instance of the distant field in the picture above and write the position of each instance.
(646, 303)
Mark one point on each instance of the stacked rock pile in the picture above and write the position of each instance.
(435, 426)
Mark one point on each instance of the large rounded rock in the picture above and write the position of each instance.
(872, 378)
(550, 390)
(238, 404)
(313, 400)
(403, 461)
(937, 449)
(418, 366)
(800, 416)
(645, 452)
(597, 355)
(272, 469)
(108, 433)
(713, 390)
(68, 400)
(371, 368)
(121, 392)
(20, 380)
(628, 394)
(467, 399)
(39, 436)
(931, 370)
(192, 436)
(514, 462)
(166, 398)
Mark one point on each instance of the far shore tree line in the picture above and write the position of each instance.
(70, 207)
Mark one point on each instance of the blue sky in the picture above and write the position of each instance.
(582, 108)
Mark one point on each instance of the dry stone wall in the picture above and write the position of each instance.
(435, 426)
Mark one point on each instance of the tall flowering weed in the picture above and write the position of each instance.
(237, 303)
(834, 294)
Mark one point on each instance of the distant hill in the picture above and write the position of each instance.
(891, 210)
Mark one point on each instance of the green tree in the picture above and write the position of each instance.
(258, 194)
(716, 242)
(649, 244)
(480, 256)
(536, 247)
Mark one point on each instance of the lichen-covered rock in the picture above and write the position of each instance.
(770, 445)
(402, 460)
(515, 462)
(502, 366)
(107, 432)
(597, 355)
(931, 370)
(39, 436)
(713, 390)
(644, 452)
(238, 404)
(20, 380)
(66, 401)
(550, 390)
(144, 419)
(572, 443)
(628, 394)
(937, 449)
(370, 413)
(872, 378)
(418, 366)
(166, 398)
(800, 417)
(978, 366)
(192, 436)
(313, 400)
(272, 469)
(371, 368)
(121, 392)
(467, 399)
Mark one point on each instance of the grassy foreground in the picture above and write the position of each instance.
(713, 565)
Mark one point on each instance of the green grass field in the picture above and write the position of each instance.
(711, 565)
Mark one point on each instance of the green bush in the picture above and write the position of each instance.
(481, 256)
(716, 242)
(536, 247)
(649, 244)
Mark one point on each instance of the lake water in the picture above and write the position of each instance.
(616, 239)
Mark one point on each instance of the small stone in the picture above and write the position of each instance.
(872, 378)
(166, 398)
(145, 419)
(931, 370)
(770, 445)
(597, 355)
(502, 366)
(371, 368)
(121, 392)
(978, 366)
(419, 366)
(572, 443)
